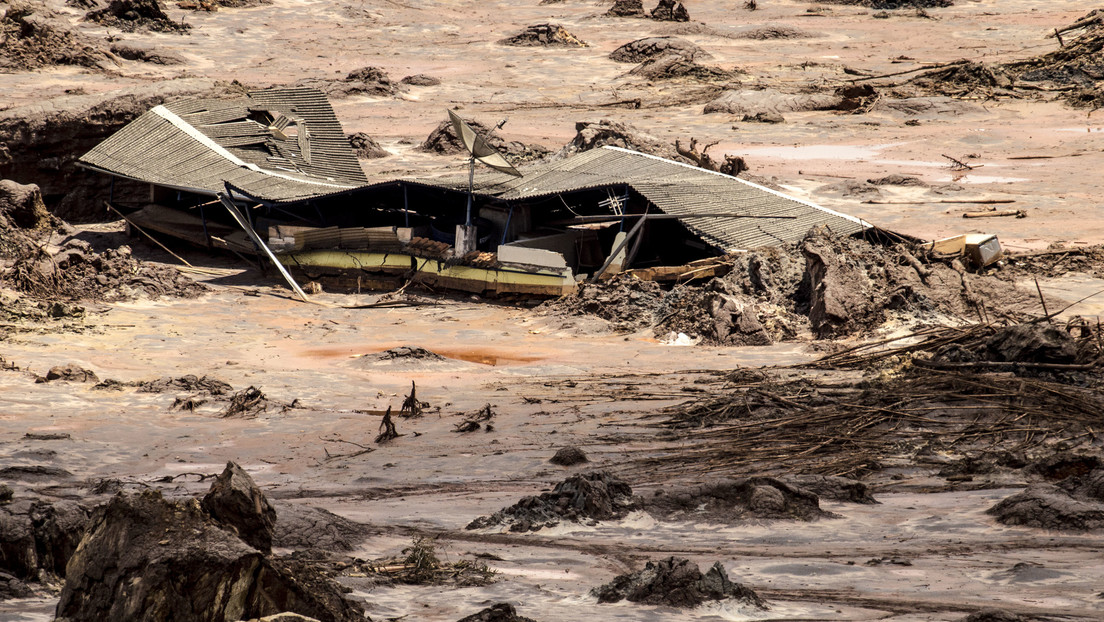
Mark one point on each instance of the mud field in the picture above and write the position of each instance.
(738, 449)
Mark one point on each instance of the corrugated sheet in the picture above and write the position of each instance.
(674, 188)
(153, 149)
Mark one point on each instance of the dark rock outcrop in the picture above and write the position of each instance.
(675, 582)
(236, 502)
(37, 536)
(148, 558)
(587, 497)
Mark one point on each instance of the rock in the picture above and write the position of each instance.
(6, 494)
(39, 536)
(764, 117)
(1049, 507)
(21, 206)
(626, 8)
(670, 11)
(34, 473)
(11, 587)
(236, 502)
(588, 496)
(306, 527)
(654, 47)
(895, 179)
(420, 80)
(499, 612)
(191, 383)
(71, 373)
(1062, 465)
(366, 147)
(673, 66)
(675, 582)
(569, 456)
(1032, 343)
(544, 35)
(737, 499)
(840, 295)
(147, 558)
(735, 321)
(145, 54)
(834, 488)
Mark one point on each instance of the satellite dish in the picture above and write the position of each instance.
(478, 147)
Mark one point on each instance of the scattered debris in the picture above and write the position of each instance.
(247, 403)
(412, 406)
(419, 564)
(473, 422)
(387, 430)
(191, 383)
(372, 81)
(593, 134)
(544, 35)
(676, 582)
(777, 31)
(672, 66)
(894, 4)
(585, 497)
(145, 54)
(366, 147)
(569, 456)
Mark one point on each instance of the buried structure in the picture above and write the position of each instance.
(282, 158)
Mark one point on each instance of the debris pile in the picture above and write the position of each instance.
(738, 499)
(372, 81)
(909, 407)
(626, 8)
(32, 40)
(587, 497)
(76, 272)
(676, 582)
(671, 66)
(593, 134)
(544, 35)
(23, 219)
(135, 15)
(419, 564)
(366, 147)
(777, 31)
(670, 11)
(1073, 504)
(752, 102)
(569, 456)
(420, 79)
(443, 140)
(649, 48)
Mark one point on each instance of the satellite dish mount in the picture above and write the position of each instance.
(479, 149)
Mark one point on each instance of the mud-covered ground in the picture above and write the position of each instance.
(709, 437)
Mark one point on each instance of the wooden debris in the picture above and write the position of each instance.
(1018, 213)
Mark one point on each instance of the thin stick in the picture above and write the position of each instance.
(1042, 300)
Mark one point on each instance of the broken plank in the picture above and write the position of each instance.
(1018, 213)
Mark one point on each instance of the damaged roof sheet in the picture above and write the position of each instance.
(279, 144)
(677, 189)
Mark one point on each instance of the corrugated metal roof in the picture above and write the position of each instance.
(674, 188)
(199, 144)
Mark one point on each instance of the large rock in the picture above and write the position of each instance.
(37, 536)
(586, 497)
(499, 612)
(626, 8)
(21, 206)
(653, 47)
(593, 134)
(235, 501)
(148, 558)
(670, 11)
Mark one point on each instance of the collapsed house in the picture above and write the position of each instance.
(282, 157)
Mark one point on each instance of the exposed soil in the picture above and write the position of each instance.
(32, 39)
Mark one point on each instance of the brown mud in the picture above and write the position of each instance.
(938, 392)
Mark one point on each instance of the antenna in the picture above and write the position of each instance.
(480, 150)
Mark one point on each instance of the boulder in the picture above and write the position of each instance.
(626, 8)
(641, 50)
(21, 206)
(366, 147)
(147, 558)
(236, 502)
(670, 11)
(499, 612)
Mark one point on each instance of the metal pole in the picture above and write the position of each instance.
(406, 208)
(471, 184)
